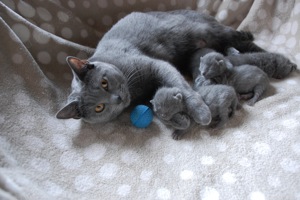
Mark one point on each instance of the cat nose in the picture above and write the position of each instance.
(162, 115)
(116, 99)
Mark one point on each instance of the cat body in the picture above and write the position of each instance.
(247, 80)
(140, 53)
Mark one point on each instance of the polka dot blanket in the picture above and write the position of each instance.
(256, 156)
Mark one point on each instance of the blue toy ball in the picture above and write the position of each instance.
(141, 116)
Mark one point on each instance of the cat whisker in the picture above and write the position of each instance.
(133, 73)
(134, 78)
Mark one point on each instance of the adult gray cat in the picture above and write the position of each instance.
(248, 80)
(168, 105)
(137, 56)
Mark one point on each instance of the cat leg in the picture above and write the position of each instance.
(233, 107)
(247, 46)
(223, 115)
(240, 40)
(258, 91)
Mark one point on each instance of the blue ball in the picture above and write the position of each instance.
(141, 116)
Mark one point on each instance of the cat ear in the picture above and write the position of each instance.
(221, 62)
(153, 105)
(69, 111)
(178, 96)
(152, 102)
(80, 67)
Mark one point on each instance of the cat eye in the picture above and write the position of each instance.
(99, 108)
(104, 84)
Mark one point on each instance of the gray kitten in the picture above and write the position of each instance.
(222, 101)
(248, 80)
(194, 61)
(169, 107)
(273, 64)
(140, 53)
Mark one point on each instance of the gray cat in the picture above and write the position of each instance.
(222, 101)
(194, 61)
(248, 80)
(168, 105)
(140, 53)
(274, 64)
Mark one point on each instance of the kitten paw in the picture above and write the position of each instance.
(199, 111)
(245, 96)
(250, 103)
(178, 134)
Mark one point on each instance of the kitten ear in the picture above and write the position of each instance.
(178, 96)
(80, 67)
(221, 62)
(153, 105)
(69, 111)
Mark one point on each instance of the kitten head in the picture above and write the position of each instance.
(212, 65)
(99, 92)
(167, 102)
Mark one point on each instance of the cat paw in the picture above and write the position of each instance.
(214, 124)
(250, 103)
(245, 35)
(201, 113)
(245, 96)
(177, 134)
(180, 121)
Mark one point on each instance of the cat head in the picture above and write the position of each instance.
(212, 65)
(167, 102)
(99, 92)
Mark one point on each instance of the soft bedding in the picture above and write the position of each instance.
(256, 156)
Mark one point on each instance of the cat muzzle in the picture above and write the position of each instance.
(116, 99)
